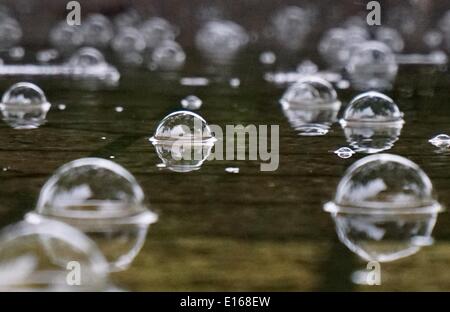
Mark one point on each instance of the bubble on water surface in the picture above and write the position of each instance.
(232, 170)
(384, 208)
(344, 152)
(307, 67)
(103, 200)
(24, 106)
(391, 37)
(191, 102)
(118, 109)
(235, 82)
(221, 39)
(156, 30)
(194, 81)
(441, 141)
(35, 255)
(128, 40)
(61, 106)
(16, 53)
(65, 37)
(48, 55)
(372, 65)
(168, 56)
(183, 125)
(10, 32)
(97, 30)
(310, 91)
(87, 57)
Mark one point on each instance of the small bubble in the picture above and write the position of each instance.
(194, 81)
(191, 102)
(343, 84)
(232, 170)
(441, 140)
(118, 109)
(344, 152)
(235, 82)
(267, 58)
(61, 106)
(307, 67)
(103, 138)
(16, 53)
(112, 157)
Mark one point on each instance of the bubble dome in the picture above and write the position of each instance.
(156, 30)
(168, 56)
(183, 126)
(10, 32)
(38, 255)
(24, 106)
(384, 208)
(372, 107)
(221, 38)
(128, 40)
(372, 65)
(65, 37)
(86, 58)
(103, 200)
(384, 183)
(97, 30)
(310, 91)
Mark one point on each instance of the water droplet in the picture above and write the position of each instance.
(441, 141)
(235, 82)
(118, 109)
(191, 102)
(92, 191)
(384, 204)
(168, 56)
(35, 255)
(372, 65)
(344, 152)
(232, 170)
(87, 58)
(24, 106)
(267, 58)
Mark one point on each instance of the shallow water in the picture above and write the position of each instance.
(220, 231)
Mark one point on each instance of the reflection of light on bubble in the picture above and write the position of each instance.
(441, 141)
(384, 208)
(103, 200)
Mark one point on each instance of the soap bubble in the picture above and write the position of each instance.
(311, 106)
(24, 106)
(183, 141)
(221, 39)
(65, 37)
(128, 40)
(185, 126)
(372, 65)
(10, 32)
(372, 122)
(97, 30)
(384, 208)
(310, 91)
(191, 102)
(441, 141)
(156, 30)
(336, 45)
(291, 25)
(103, 200)
(391, 37)
(37, 255)
(372, 107)
(168, 56)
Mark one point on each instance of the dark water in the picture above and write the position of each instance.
(219, 231)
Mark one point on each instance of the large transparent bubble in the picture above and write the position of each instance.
(103, 200)
(10, 32)
(87, 58)
(221, 39)
(24, 106)
(384, 208)
(372, 107)
(310, 91)
(372, 65)
(183, 126)
(45, 255)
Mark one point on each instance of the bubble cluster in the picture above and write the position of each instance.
(384, 208)
(24, 106)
